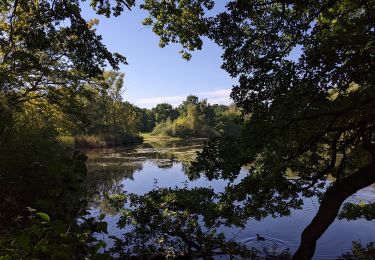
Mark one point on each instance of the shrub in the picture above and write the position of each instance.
(48, 238)
(164, 128)
(182, 128)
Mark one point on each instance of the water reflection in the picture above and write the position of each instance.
(110, 169)
(140, 168)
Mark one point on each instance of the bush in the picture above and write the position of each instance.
(37, 170)
(184, 128)
(164, 128)
(48, 238)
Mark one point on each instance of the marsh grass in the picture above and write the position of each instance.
(105, 140)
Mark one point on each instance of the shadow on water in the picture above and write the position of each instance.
(138, 169)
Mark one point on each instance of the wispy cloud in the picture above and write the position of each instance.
(151, 102)
(219, 96)
(216, 93)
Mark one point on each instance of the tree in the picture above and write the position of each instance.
(190, 100)
(107, 114)
(114, 82)
(48, 54)
(164, 111)
(198, 118)
(147, 119)
(306, 88)
(48, 45)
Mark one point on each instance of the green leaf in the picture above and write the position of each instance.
(101, 244)
(43, 216)
(101, 217)
(102, 227)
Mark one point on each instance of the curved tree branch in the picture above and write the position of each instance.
(329, 208)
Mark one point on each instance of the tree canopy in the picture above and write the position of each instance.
(47, 45)
(306, 86)
(164, 111)
(306, 90)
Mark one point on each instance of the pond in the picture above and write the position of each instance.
(140, 168)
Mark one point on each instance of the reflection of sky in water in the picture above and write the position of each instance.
(136, 170)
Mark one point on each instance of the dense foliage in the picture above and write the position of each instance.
(46, 238)
(54, 86)
(48, 55)
(306, 93)
(194, 118)
(306, 84)
(110, 120)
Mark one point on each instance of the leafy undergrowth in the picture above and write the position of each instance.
(46, 238)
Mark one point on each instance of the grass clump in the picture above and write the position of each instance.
(105, 140)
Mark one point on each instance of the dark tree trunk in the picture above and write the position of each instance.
(329, 208)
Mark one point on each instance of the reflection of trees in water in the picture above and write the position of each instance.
(185, 168)
(163, 219)
(176, 151)
(181, 222)
(166, 221)
(108, 168)
(104, 181)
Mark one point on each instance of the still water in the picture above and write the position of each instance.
(139, 168)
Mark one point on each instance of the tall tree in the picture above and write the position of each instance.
(47, 45)
(114, 82)
(306, 86)
(147, 119)
(48, 54)
(190, 100)
(164, 111)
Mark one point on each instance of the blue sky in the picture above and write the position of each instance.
(155, 74)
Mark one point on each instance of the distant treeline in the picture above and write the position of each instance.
(110, 120)
(194, 118)
(97, 116)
